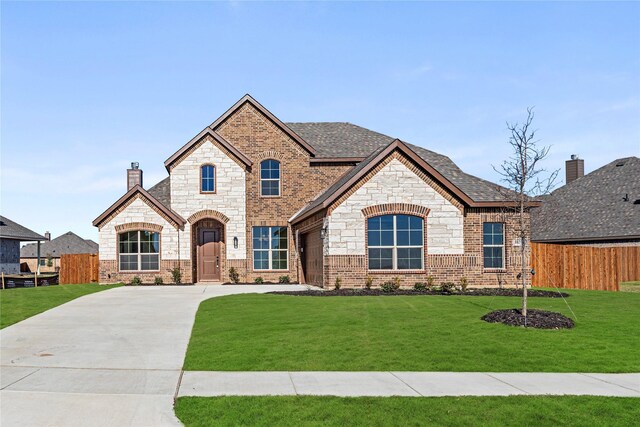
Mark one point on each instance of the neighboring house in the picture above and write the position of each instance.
(312, 201)
(11, 234)
(601, 208)
(52, 250)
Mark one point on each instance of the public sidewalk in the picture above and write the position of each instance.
(204, 383)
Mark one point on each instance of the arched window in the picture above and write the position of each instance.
(270, 178)
(395, 242)
(139, 251)
(207, 179)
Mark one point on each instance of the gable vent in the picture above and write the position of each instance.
(620, 164)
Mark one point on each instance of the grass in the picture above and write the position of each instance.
(424, 333)
(402, 411)
(21, 303)
(630, 286)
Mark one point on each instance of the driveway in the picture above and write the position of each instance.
(110, 358)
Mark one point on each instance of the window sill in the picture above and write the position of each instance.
(494, 270)
(137, 271)
(396, 271)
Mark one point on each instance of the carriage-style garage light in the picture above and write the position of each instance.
(235, 243)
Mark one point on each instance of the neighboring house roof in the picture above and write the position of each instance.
(471, 190)
(172, 216)
(593, 207)
(92, 244)
(68, 243)
(14, 231)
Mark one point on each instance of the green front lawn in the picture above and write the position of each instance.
(406, 333)
(403, 411)
(20, 303)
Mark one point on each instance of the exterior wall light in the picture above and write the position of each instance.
(235, 243)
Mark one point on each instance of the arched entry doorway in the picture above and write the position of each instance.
(208, 237)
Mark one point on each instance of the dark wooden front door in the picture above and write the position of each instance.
(209, 255)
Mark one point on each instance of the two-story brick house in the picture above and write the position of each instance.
(312, 201)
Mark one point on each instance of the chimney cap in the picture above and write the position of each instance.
(573, 157)
(135, 165)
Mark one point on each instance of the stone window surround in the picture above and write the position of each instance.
(504, 249)
(215, 179)
(118, 249)
(396, 209)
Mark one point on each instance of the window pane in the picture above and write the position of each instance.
(380, 259)
(493, 233)
(402, 238)
(415, 222)
(374, 223)
(128, 242)
(279, 237)
(270, 188)
(415, 238)
(402, 222)
(150, 262)
(373, 238)
(261, 260)
(386, 238)
(409, 258)
(386, 222)
(493, 257)
(128, 262)
(279, 260)
(260, 237)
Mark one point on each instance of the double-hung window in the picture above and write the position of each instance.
(270, 248)
(493, 244)
(395, 242)
(208, 179)
(139, 251)
(270, 178)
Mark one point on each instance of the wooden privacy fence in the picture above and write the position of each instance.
(78, 268)
(584, 267)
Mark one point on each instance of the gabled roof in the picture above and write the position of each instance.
(170, 215)
(472, 191)
(593, 207)
(162, 192)
(68, 243)
(208, 131)
(14, 231)
(212, 131)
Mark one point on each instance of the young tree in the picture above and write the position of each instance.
(522, 174)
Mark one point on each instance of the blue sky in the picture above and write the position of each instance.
(86, 88)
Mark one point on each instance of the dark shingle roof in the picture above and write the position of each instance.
(593, 206)
(336, 139)
(162, 192)
(68, 243)
(13, 230)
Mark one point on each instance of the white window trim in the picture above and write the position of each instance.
(272, 179)
(139, 254)
(504, 267)
(395, 247)
(269, 250)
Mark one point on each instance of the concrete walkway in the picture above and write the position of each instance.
(406, 384)
(105, 359)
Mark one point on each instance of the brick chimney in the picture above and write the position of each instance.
(134, 176)
(574, 169)
(47, 235)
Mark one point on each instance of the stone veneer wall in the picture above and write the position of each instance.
(137, 211)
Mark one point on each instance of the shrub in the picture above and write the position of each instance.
(396, 282)
(338, 282)
(234, 275)
(419, 286)
(430, 282)
(284, 279)
(49, 261)
(368, 282)
(464, 284)
(259, 280)
(389, 286)
(447, 287)
(176, 274)
(158, 280)
(136, 281)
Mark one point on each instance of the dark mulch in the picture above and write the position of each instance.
(535, 319)
(412, 292)
(164, 285)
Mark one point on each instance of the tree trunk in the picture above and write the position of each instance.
(523, 260)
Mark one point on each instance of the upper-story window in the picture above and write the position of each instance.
(395, 242)
(493, 244)
(139, 251)
(270, 178)
(208, 179)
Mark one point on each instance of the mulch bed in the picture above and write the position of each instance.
(539, 319)
(412, 292)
